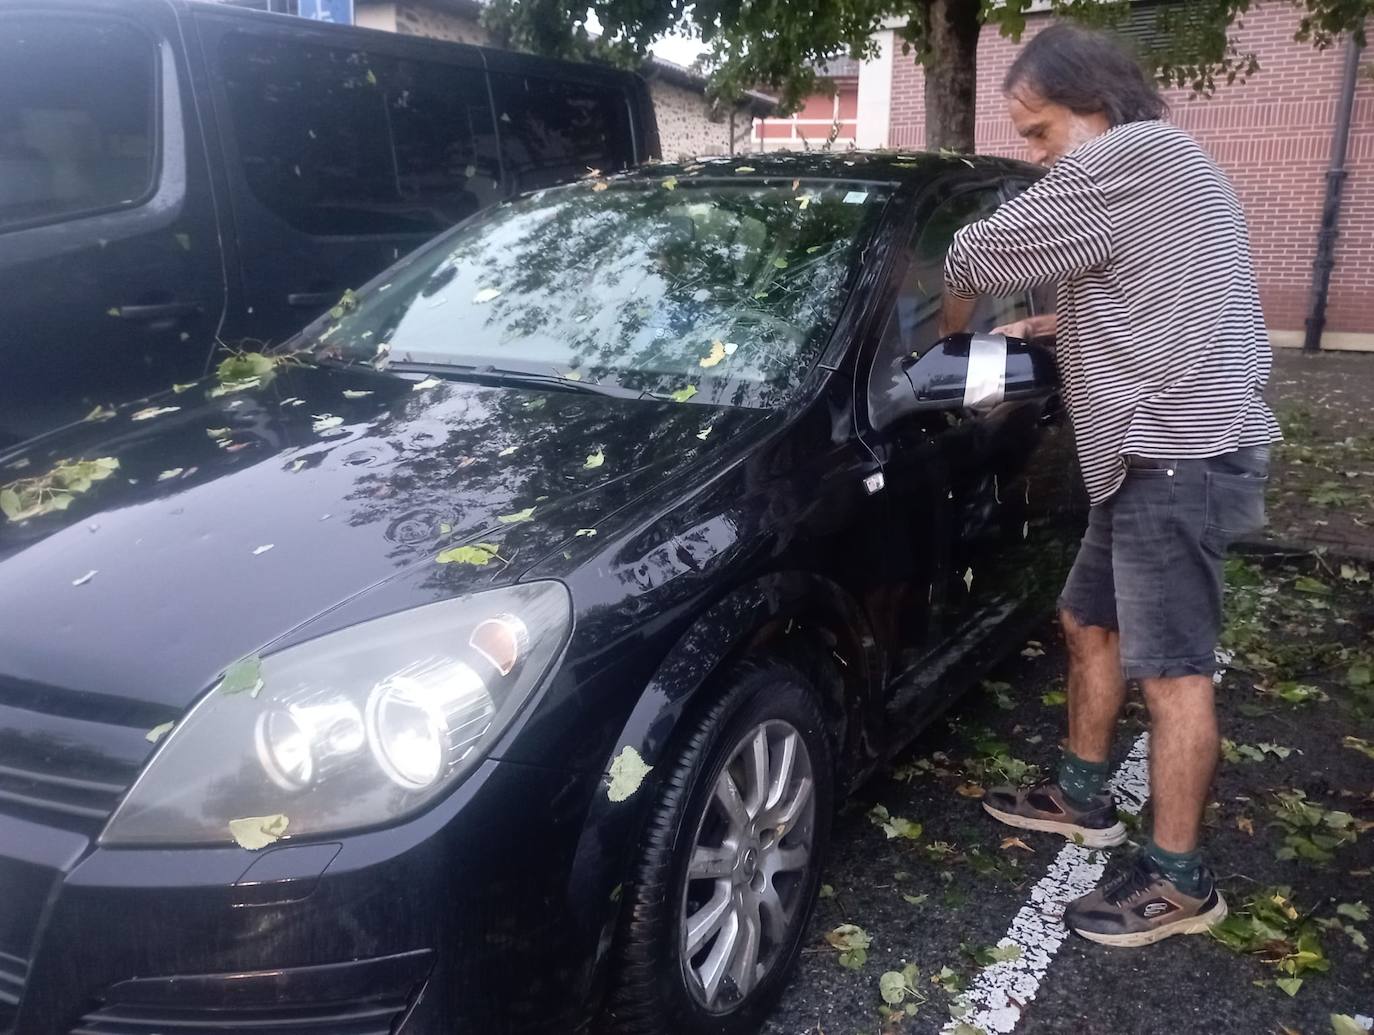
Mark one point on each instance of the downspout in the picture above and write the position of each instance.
(1331, 206)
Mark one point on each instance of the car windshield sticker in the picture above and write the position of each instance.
(856, 197)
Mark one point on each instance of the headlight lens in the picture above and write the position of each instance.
(354, 729)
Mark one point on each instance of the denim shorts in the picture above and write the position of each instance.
(1150, 564)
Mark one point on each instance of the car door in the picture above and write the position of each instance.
(952, 509)
(340, 158)
(111, 277)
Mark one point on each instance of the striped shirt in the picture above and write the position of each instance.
(1161, 343)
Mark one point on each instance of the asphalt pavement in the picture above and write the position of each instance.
(1290, 834)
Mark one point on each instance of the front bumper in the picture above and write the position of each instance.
(463, 919)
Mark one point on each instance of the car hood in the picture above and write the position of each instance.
(232, 518)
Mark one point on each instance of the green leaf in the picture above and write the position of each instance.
(595, 460)
(848, 937)
(670, 183)
(892, 987)
(827, 891)
(1357, 911)
(243, 675)
(1054, 698)
(1005, 953)
(10, 505)
(627, 772)
(1307, 584)
(254, 832)
(158, 732)
(780, 263)
(476, 554)
(683, 394)
(518, 516)
(914, 900)
(1289, 985)
(1344, 1024)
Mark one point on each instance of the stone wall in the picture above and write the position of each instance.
(687, 128)
(424, 20)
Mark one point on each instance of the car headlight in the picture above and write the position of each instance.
(357, 728)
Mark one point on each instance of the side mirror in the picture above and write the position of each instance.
(979, 371)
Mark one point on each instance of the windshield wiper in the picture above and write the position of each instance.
(487, 374)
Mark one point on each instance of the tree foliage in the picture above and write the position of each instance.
(776, 44)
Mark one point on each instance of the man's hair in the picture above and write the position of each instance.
(1087, 72)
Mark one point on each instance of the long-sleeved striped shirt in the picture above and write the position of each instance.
(1161, 343)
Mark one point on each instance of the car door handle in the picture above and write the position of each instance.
(310, 299)
(160, 311)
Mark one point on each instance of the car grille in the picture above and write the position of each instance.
(13, 972)
(373, 1017)
(67, 758)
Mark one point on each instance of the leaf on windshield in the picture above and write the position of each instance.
(704, 433)
(588, 532)
(325, 421)
(149, 412)
(82, 580)
(670, 183)
(683, 394)
(258, 551)
(169, 474)
(476, 554)
(600, 185)
(518, 516)
(595, 460)
(429, 382)
(100, 413)
(780, 263)
(158, 732)
(508, 451)
(715, 356)
(350, 393)
(254, 832)
(804, 201)
(177, 389)
(244, 675)
(486, 295)
(745, 169)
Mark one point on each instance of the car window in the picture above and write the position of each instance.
(717, 291)
(338, 141)
(76, 117)
(553, 131)
(911, 325)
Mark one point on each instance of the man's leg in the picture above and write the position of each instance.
(1097, 689)
(1184, 745)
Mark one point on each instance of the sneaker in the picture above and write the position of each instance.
(1046, 807)
(1140, 906)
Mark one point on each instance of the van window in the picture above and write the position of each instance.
(344, 142)
(76, 117)
(553, 131)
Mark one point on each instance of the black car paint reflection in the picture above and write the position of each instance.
(741, 521)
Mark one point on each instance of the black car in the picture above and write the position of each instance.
(173, 173)
(492, 657)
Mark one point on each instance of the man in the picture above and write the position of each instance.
(1163, 357)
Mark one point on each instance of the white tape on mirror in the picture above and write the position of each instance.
(986, 383)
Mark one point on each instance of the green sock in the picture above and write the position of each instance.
(1184, 869)
(1081, 781)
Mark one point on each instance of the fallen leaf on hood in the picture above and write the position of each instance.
(683, 394)
(350, 393)
(177, 389)
(254, 832)
(429, 382)
(263, 549)
(519, 515)
(670, 183)
(100, 413)
(148, 413)
(158, 732)
(217, 432)
(715, 356)
(595, 460)
(745, 169)
(85, 578)
(588, 532)
(600, 185)
(325, 421)
(296, 465)
(243, 675)
(169, 474)
(704, 433)
(507, 451)
(476, 554)
(486, 295)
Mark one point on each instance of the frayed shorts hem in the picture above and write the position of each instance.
(1168, 668)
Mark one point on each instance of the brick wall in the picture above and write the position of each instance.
(1273, 137)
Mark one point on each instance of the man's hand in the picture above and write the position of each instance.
(1031, 327)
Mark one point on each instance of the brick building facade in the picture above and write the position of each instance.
(1272, 135)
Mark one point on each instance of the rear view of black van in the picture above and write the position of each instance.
(175, 174)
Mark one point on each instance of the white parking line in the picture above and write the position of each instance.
(1001, 990)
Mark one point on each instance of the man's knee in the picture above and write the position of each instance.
(1189, 697)
(1084, 639)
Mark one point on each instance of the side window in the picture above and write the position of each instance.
(911, 326)
(339, 141)
(553, 131)
(77, 110)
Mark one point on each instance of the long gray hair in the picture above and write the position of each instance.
(1087, 72)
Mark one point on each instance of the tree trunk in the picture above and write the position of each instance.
(951, 73)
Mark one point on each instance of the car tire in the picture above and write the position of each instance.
(736, 872)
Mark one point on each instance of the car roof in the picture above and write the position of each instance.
(918, 167)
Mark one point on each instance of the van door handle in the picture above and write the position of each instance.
(310, 299)
(161, 311)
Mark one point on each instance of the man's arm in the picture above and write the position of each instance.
(955, 313)
(1059, 227)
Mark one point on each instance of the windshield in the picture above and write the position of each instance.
(718, 292)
